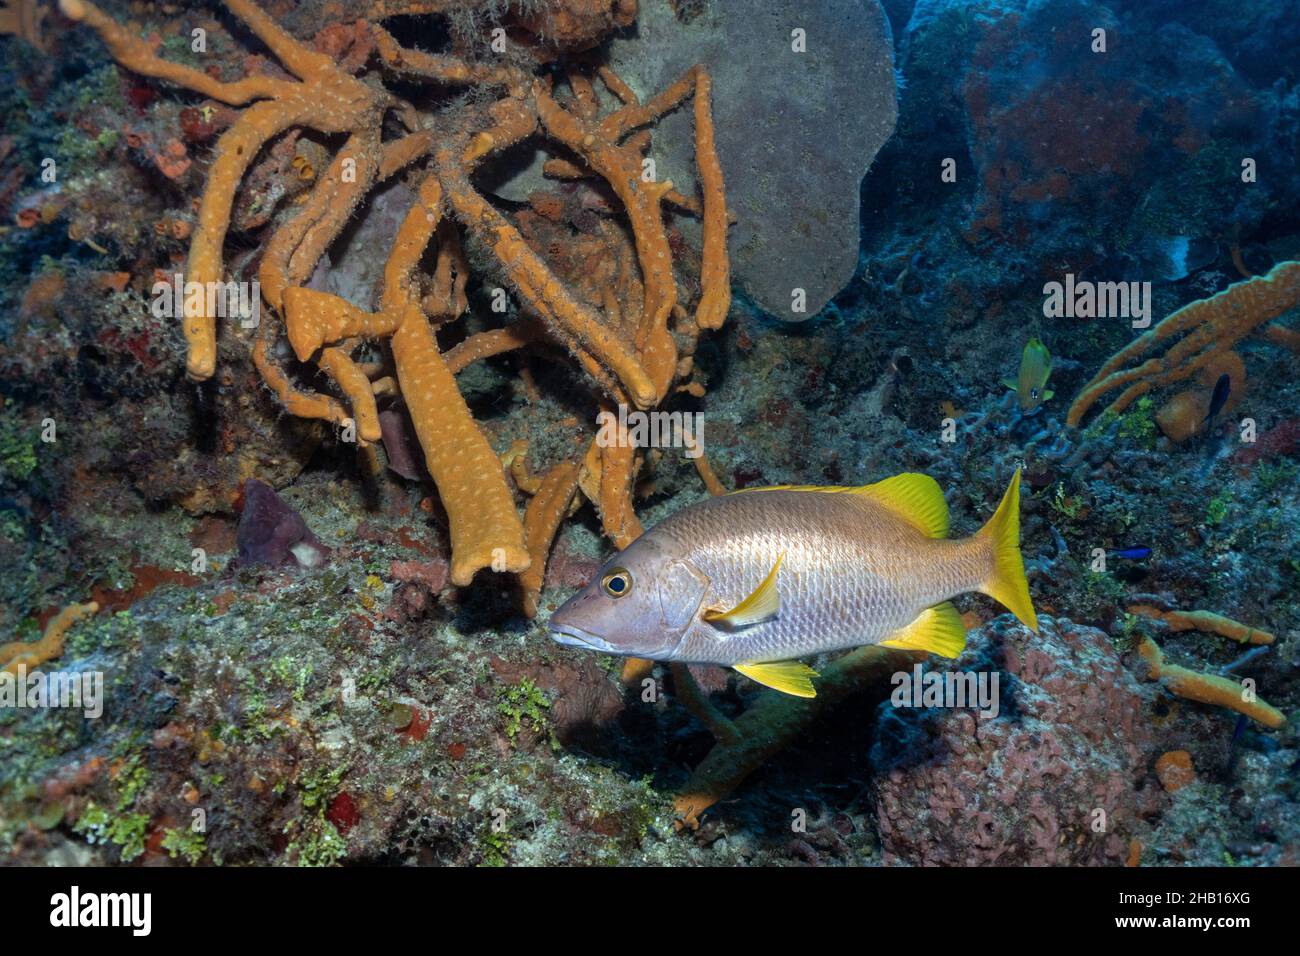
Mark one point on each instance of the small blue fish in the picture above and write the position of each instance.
(1219, 397)
(1234, 743)
(1130, 554)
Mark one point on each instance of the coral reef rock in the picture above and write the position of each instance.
(1059, 776)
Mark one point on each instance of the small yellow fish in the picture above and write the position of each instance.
(1031, 385)
(755, 579)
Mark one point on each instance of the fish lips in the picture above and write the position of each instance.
(571, 636)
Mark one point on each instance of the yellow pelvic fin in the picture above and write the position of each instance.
(1006, 582)
(789, 677)
(938, 630)
(914, 497)
(762, 604)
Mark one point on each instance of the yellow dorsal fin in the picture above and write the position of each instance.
(828, 489)
(915, 498)
(938, 630)
(762, 604)
(1006, 582)
(789, 677)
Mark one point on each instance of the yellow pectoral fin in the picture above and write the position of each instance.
(938, 630)
(763, 604)
(789, 677)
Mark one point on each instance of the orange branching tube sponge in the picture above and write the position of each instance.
(323, 98)
(1207, 688)
(1212, 326)
(599, 142)
(50, 646)
(301, 404)
(515, 460)
(614, 320)
(432, 66)
(1206, 621)
(1283, 336)
(483, 345)
(707, 475)
(538, 286)
(715, 273)
(635, 670)
(620, 166)
(485, 528)
(22, 18)
(295, 248)
(337, 364)
(542, 520)
(447, 298)
(313, 318)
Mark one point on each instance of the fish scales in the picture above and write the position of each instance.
(854, 572)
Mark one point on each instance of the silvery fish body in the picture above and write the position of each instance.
(849, 567)
(853, 572)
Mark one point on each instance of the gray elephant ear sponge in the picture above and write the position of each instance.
(803, 99)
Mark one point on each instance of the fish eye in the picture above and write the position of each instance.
(1033, 393)
(617, 583)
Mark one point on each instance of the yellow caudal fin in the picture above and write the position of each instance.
(1006, 582)
(789, 677)
(938, 630)
(761, 605)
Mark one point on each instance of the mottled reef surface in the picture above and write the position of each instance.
(318, 693)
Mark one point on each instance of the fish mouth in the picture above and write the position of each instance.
(571, 636)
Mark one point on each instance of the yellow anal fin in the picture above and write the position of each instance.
(938, 630)
(762, 605)
(789, 677)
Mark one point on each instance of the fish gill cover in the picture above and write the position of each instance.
(342, 344)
